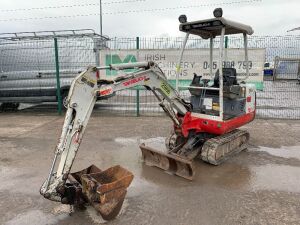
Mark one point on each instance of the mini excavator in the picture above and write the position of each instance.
(205, 127)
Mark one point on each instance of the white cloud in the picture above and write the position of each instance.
(268, 17)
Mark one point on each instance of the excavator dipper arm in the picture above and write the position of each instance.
(85, 90)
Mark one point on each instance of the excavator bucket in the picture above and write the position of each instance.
(169, 162)
(104, 190)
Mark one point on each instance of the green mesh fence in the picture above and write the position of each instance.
(27, 67)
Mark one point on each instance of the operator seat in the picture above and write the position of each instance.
(229, 77)
(231, 88)
(196, 82)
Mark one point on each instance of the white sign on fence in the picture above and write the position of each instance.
(194, 61)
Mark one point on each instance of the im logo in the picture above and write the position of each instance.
(115, 59)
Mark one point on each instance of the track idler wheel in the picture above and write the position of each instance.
(173, 141)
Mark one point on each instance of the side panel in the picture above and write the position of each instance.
(212, 126)
(48, 82)
(19, 84)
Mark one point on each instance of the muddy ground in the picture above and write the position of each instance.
(259, 186)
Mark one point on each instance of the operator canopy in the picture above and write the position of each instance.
(210, 28)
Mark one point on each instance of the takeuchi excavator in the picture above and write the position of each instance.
(205, 127)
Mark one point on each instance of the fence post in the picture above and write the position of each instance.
(226, 46)
(137, 89)
(58, 94)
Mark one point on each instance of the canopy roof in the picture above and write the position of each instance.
(40, 35)
(212, 27)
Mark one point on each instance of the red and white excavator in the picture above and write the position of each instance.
(205, 127)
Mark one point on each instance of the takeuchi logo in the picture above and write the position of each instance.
(106, 91)
(134, 80)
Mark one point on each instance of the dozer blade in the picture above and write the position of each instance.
(104, 190)
(168, 161)
(217, 150)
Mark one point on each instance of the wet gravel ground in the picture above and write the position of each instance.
(259, 186)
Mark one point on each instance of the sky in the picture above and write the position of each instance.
(154, 18)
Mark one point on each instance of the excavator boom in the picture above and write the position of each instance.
(70, 188)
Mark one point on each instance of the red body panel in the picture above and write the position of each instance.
(212, 126)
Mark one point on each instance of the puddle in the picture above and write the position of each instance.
(12, 131)
(275, 177)
(96, 217)
(20, 181)
(61, 209)
(157, 143)
(138, 140)
(284, 151)
(11, 150)
(265, 176)
(35, 217)
(6, 174)
(126, 141)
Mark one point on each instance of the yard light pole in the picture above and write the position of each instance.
(101, 17)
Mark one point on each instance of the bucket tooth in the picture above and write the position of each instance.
(171, 163)
(104, 190)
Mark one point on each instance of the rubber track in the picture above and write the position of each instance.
(215, 150)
